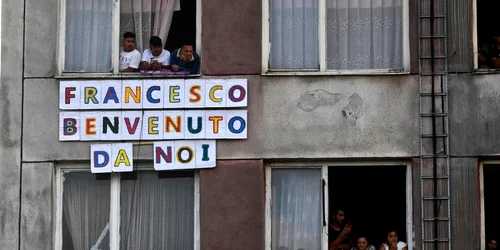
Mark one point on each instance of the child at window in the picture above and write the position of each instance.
(129, 56)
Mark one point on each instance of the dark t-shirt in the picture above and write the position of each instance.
(334, 234)
(494, 52)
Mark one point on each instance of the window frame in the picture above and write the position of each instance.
(114, 218)
(322, 47)
(325, 208)
(482, 233)
(115, 50)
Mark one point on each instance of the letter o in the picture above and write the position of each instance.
(179, 154)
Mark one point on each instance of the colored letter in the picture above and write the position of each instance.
(152, 125)
(122, 157)
(212, 93)
(215, 120)
(242, 93)
(90, 93)
(131, 130)
(69, 126)
(231, 125)
(107, 123)
(173, 94)
(136, 96)
(197, 96)
(68, 95)
(177, 126)
(96, 159)
(190, 125)
(190, 155)
(148, 94)
(205, 152)
(111, 94)
(167, 157)
(90, 126)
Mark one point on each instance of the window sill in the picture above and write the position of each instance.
(338, 72)
(120, 76)
(485, 71)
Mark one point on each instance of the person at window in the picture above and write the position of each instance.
(392, 242)
(155, 58)
(129, 56)
(362, 244)
(494, 53)
(492, 244)
(337, 234)
(185, 59)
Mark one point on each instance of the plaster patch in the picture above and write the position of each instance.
(310, 100)
(353, 111)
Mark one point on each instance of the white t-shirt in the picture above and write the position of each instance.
(163, 58)
(400, 245)
(129, 59)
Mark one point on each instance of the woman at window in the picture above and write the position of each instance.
(362, 244)
(392, 242)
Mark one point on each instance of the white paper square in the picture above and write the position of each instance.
(216, 123)
(173, 94)
(131, 125)
(100, 158)
(90, 126)
(152, 125)
(215, 93)
(122, 157)
(69, 90)
(237, 125)
(164, 155)
(194, 93)
(194, 124)
(69, 126)
(185, 153)
(237, 94)
(132, 94)
(205, 153)
(173, 124)
(111, 97)
(111, 123)
(90, 95)
(152, 94)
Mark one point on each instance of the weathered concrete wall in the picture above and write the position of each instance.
(11, 83)
(36, 206)
(288, 117)
(474, 117)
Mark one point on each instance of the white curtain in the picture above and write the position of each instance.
(157, 213)
(294, 34)
(364, 34)
(86, 210)
(147, 18)
(296, 209)
(88, 35)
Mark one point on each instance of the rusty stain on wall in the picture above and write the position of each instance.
(310, 100)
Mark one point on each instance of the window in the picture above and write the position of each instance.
(301, 202)
(137, 210)
(490, 202)
(91, 31)
(487, 38)
(335, 36)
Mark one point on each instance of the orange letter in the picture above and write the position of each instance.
(136, 96)
(90, 126)
(177, 127)
(216, 120)
(193, 92)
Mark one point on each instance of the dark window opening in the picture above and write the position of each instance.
(374, 199)
(488, 48)
(183, 27)
(491, 173)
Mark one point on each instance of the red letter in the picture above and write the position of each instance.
(195, 93)
(68, 94)
(131, 130)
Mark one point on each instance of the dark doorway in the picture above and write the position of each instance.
(183, 27)
(491, 174)
(374, 198)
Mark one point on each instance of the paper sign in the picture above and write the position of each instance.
(152, 125)
(122, 157)
(69, 126)
(100, 158)
(216, 123)
(173, 124)
(236, 92)
(194, 93)
(90, 95)
(69, 95)
(152, 94)
(185, 154)
(194, 124)
(236, 124)
(90, 126)
(215, 93)
(111, 126)
(111, 94)
(132, 94)
(131, 125)
(173, 94)
(164, 155)
(205, 153)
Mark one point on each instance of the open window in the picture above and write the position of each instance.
(487, 38)
(91, 31)
(300, 203)
(490, 203)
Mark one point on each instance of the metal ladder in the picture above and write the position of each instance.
(434, 126)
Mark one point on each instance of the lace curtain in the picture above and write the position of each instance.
(88, 35)
(147, 18)
(86, 211)
(296, 209)
(364, 34)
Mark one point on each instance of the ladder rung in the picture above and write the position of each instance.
(432, 36)
(433, 114)
(440, 198)
(431, 135)
(433, 74)
(438, 240)
(433, 156)
(433, 57)
(429, 16)
(434, 94)
(432, 177)
(437, 218)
